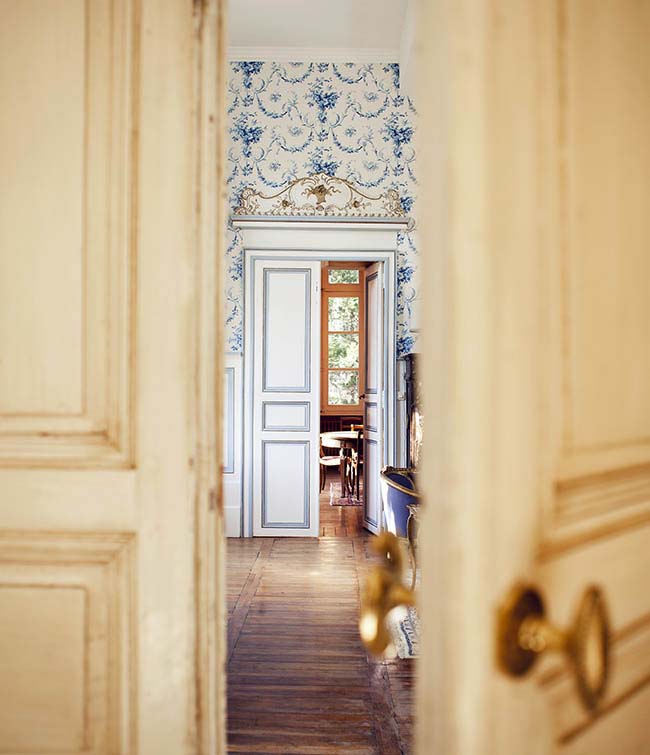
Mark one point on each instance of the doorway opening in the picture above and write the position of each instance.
(295, 585)
(321, 300)
(342, 369)
(287, 374)
(350, 338)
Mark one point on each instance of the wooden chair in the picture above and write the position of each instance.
(329, 424)
(356, 460)
(325, 462)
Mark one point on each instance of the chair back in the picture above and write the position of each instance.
(329, 424)
(358, 447)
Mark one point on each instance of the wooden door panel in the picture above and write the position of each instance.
(606, 308)
(43, 73)
(66, 318)
(620, 567)
(597, 493)
(67, 530)
(287, 331)
(285, 348)
(374, 401)
(605, 736)
(537, 294)
(600, 286)
(56, 693)
(68, 661)
(99, 499)
(286, 486)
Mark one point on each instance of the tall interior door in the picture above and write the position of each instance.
(374, 401)
(98, 460)
(537, 377)
(286, 390)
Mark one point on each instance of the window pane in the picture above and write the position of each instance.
(343, 388)
(343, 313)
(343, 276)
(343, 350)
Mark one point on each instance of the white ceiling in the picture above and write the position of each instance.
(368, 27)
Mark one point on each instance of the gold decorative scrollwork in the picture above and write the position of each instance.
(320, 195)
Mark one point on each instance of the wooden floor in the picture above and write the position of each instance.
(299, 679)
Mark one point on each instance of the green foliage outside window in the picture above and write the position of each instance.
(343, 349)
(343, 387)
(343, 313)
(343, 276)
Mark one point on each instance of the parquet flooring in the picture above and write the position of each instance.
(299, 679)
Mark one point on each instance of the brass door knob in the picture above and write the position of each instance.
(383, 591)
(524, 634)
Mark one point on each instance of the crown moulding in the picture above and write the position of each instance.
(319, 195)
(310, 54)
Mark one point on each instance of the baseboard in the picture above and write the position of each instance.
(232, 517)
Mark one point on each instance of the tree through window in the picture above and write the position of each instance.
(342, 332)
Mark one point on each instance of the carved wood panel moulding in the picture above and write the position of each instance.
(596, 418)
(72, 593)
(68, 393)
(320, 195)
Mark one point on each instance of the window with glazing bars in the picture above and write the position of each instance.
(342, 337)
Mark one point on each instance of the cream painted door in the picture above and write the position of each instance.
(98, 463)
(286, 370)
(537, 373)
(374, 401)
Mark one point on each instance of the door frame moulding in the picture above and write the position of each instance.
(320, 239)
(209, 603)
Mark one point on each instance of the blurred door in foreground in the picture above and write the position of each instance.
(537, 379)
(97, 455)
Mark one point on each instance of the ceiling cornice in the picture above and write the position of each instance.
(315, 54)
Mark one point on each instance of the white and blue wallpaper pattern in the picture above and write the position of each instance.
(288, 120)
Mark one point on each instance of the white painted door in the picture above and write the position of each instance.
(537, 368)
(98, 463)
(374, 401)
(286, 371)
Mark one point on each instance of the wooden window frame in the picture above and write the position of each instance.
(330, 290)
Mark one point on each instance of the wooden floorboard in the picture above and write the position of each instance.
(299, 678)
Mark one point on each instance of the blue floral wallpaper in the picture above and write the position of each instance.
(288, 120)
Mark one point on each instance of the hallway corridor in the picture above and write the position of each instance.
(299, 679)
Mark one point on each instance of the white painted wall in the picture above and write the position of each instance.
(232, 443)
(407, 70)
(351, 25)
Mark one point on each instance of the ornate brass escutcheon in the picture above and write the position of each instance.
(524, 634)
(383, 591)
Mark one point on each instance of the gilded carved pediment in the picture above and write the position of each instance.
(320, 195)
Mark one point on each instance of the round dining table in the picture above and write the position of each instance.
(342, 439)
